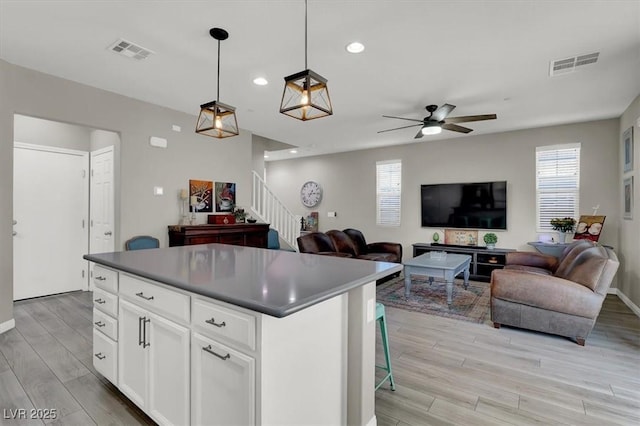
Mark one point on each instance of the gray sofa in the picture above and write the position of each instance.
(560, 296)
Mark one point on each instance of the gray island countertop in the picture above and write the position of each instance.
(273, 282)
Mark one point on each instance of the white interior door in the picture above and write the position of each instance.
(50, 206)
(102, 207)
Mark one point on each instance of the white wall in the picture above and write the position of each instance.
(629, 274)
(188, 156)
(348, 180)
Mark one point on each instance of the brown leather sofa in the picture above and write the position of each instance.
(560, 296)
(349, 243)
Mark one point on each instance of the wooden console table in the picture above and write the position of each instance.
(239, 234)
(483, 260)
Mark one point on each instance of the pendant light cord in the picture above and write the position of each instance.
(305, 35)
(218, 88)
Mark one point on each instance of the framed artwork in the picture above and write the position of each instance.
(589, 228)
(627, 140)
(460, 237)
(628, 198)
(200, 195)
(225, 196)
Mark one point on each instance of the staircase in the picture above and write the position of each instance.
(270, 209)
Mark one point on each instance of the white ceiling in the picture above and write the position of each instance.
(483, 56)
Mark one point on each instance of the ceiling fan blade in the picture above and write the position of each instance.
(467, 118)
(442, 112)
(398, 128)
(456, 128)
(418, 135)
(402, 118)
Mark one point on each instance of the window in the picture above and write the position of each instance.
(388, 192)
(557, 183)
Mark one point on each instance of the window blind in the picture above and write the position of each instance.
(557, 183)
(388, 192)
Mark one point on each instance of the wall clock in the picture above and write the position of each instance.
(311, 193)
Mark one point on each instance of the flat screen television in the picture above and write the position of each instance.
(480, 205)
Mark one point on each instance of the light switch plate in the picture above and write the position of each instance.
(176, 128)
(158, 190)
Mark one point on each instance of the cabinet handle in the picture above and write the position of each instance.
(141, 294)
(108, 233)
(224, 358)
(100, 356)
(101, 278)
(99, 323)
(100, 301)
(212, 321)
(140, 340)
(145, 343)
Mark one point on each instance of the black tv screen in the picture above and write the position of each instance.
(465, 205)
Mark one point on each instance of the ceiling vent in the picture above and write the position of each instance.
(130, 50)
(569, 65)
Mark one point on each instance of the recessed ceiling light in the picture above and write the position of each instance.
(260, 81)
(355, 47)
(293, 151)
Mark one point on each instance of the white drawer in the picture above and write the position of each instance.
(104, 323)
(217, 321)
(105, 356)
(162, 300)
(106, 302)
(105, 278)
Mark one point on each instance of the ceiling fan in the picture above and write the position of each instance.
(437, 120)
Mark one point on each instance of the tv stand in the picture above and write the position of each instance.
(459, 246)
(483, 260)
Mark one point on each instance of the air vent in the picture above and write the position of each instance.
(569, 65)
(130, 50)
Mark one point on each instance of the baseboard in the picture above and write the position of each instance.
(7, 325)
(628, 302)
(612, 290)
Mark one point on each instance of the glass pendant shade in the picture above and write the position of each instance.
(306, 96)
(217, 120)
(431, 129)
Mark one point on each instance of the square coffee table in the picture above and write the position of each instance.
(446, 268)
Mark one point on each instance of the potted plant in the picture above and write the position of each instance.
(490, 240)
(564, 225)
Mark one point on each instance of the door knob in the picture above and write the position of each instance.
(15, 222)
(15, 233)
(108, 233)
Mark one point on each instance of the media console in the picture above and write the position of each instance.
(483, 260)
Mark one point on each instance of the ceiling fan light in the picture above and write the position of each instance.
(431, 129)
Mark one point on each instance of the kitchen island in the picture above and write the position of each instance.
(222, 334)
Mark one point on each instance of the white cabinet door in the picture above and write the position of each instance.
(132, 371)
(168, 371)
(222, 384)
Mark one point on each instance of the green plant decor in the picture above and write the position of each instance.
(565, 224)
(490, 238)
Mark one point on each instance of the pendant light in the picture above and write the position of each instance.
(305, 95)
(216, 119)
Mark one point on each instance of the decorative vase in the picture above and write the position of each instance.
(491, 246)
(565, 237)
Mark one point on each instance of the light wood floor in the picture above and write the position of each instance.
(447, 371)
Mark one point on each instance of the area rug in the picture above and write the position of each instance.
(470, 305)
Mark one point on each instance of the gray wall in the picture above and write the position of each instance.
(629, 274)
(348, 180)
(188, 156)
(6, 194)
(50, 133)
